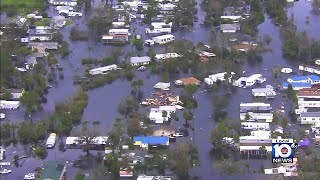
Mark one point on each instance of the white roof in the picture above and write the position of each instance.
(119, 31)
(160, 24)
(97, 140)
(254, 104)
(163, 36)
(254, 77)
(154, 178)
(243, 148)
(104, 68)
(51, 139)
(167, 108)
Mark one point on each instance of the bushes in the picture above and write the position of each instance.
(101, 80)
(77, 35)
(41, 152)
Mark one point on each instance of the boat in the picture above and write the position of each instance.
(5, 171)
(142, 68)
(29, 176)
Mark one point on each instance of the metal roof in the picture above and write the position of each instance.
(310, 114)
(134, 60)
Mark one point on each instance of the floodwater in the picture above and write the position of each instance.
(103, 101)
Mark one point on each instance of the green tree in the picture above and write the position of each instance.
(116, 134)
(217, 135)
(187, 115)
(190, 89)
(180, 158)
(31, 101)
(284, 122)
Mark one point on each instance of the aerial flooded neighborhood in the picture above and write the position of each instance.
(160, 89)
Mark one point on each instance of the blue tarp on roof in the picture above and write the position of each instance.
(314, 78)
(299, 78)
(151, 139)
(306, 85)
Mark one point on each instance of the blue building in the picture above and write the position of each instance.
(313, 79)
(146, 141)
(297, 86)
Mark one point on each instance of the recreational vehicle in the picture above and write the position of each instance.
(51, 141)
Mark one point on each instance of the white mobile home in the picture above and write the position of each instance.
(138, 61)
(309, 118)
(156, 114)
(255, 125)
(166, 56)
(256, 117)
(267, 92)
(217, 77)
(310, 69)
(159, 25)
(167, 7)
(164, 39)
(9, 104)
(255, 107)
(249, 81)
(51, 141)
(77, 142)
(119, 32)
(158, 31)
(103, 70)
(119, 24)
(162, 85)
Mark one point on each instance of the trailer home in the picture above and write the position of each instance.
(119, 32)
(310, 69)
(159, 25)
(9, 104)
(158, 31)
(119, 25)
(249, 81)
(103, 70)
(255, 107)
(163, 39)
(267, 92)
(255, 125)
(115, 39)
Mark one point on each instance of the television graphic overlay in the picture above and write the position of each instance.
(283, 150)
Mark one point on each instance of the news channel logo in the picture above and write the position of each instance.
(283, 150)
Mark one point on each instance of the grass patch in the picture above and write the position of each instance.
(80, 177)
(69, 22)
(28, 3)
(44, 22)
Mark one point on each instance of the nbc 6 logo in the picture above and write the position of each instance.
(282, 150)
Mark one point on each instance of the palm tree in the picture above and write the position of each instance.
(95, 123)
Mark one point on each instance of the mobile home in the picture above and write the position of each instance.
(158, 31)
(159, 25)
(9, 104)
(255, 107)
(115, 39)
(255, 125)
(163, 39)
(119, 32)
(102, 70)
(267, 92)
(310, 69)
(119, 24)
(249, 81)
